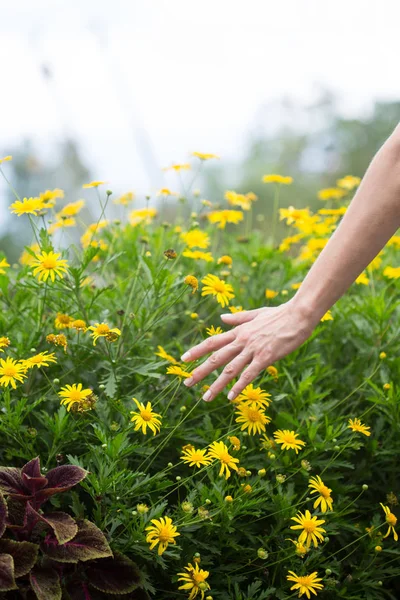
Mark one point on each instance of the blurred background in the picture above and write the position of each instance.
(118, 90)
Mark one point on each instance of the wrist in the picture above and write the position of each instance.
(306, 310)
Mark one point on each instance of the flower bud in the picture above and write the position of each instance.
(178, 478)
(378, 548)
(228, 499)
(365, 487)
(262, 472)
(263, 554)
(56, 381)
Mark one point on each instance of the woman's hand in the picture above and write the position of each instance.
(261, 337)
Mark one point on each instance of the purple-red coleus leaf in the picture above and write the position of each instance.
(61, 479)
(7, 581)
(45, 583)
(12, 484)
(3, 514)
(24, 555)
(62, 525)
(32, 477)
(88, 544)
(114, 575)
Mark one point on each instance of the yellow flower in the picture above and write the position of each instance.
(228, 499)
(252, 418)
(178, 167)
(4, 343)
(103, 330)
(305, 584)
(11, 371)
(161, 352)
(49, 197)
(193, 282)
(125, 199)
(387, 386)
(273, 371)
(219, 451)
(301, 550)
(392, 272)
(142, 215)
(79, 325)
(311, 530)
(28, 206)
(235, 442)
(204, 155)
(356, 425)
(71, 209)
(270, 293)
(394, 241)
(324, 499)
(288, 439)
(176, 370)
(194, 457)
(235, 199)
(162, 532)
(198, 255)
(26, 258)
(225, 260)
(286, 180)
(349, 182)
(166, 192)
(327, 316)
(362, 278)
(48, 264)
(253, 394)
(331, 194)
(63, 321)
(196, 238)
(3, 265)
(93, 184)
(391, 520)
(40, 360)
(333, 211)
(5, 159)
(73, 396)
(145, 418)
(57, 340)
(217, 287)
(194, 315)
(235, 309)
(225, 216)
(294, 215)
(214, 331)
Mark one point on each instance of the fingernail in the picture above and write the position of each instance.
(207, 395)
(225, 314)
(188, 381)
(185, 356)
(231, 395)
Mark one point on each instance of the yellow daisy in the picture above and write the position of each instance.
(93, 184)
(28, 206)
(217, 287)
(391, 520)
(194, 457)
(161, 352)
(71, 209)
(63, 321)
(222, 217)
(192, 282)
(11, 371)
(196, 239)
(4, 343)
(214, 330)
(177, 370)
(194, 581)
(204, 155)
(305, 584)
(311, 530)
(288, 440)
(324, 498)
(253, 394)
(286, 180)
(356, 425)
(178, 167)
(48, 264)
(145, 418)
(103, 330)
(40, 360)
(252, 417)
(219, 451)
(162, 532)
(198, 255)
(74, 396)
(3, 265)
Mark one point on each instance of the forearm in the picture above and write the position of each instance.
(372, 217)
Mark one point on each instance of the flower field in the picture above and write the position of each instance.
(117, 480)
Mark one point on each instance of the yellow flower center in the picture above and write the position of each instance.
(225, 457)
(146, 415)
(391, 519)
(219, 287)
(49, 262)
(289, 438)
(309, 525)
(198, 577)
(324, 491)
(75, 395)
(253, 414)
(306, 581)
(64, 319)
(164, 534)
(102, 329)
(10, 371)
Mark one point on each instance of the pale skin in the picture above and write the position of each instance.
(262, 336)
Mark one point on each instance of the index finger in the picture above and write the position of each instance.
(215, 342)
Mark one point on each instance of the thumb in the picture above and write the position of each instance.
(242, 316)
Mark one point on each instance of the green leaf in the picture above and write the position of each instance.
(45, 583)
(7, 581)
(118, 575)
(24, 555)
(88, 544)
(111, 385)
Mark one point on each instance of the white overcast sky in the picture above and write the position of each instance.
(191, 74)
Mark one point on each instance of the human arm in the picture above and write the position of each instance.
(264, 335)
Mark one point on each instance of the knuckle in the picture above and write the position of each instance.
(213, 359)
(229, 369)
